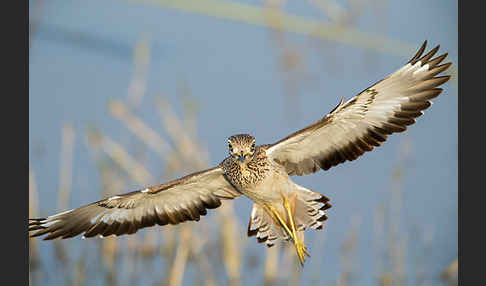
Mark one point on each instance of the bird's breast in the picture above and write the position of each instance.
(245, 176)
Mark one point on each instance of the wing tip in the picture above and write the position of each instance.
(418, 54)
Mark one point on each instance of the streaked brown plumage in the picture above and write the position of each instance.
(282, 209)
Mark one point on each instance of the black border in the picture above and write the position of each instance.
(15, 179)
(471, 145)
(460, 133)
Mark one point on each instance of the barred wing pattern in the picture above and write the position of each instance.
(364, 121)
(180, 200)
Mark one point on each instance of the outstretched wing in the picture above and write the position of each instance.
(181, 200)
(365, 120)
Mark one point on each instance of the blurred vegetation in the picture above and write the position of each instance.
(213, 248)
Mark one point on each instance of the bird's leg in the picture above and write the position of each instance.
(299, 244)
(282, 222)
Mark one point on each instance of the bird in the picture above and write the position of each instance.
(282, 209)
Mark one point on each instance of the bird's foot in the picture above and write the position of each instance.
(301, 251)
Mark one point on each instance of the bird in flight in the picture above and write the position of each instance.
(282, 209)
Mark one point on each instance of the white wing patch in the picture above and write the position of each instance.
(114, 198)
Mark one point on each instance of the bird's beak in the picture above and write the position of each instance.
(242, 156)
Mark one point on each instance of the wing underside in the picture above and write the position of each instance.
(364, 122)
(181, 200)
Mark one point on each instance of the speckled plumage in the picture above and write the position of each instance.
(267, 183)
(282, 209)
(248, 173)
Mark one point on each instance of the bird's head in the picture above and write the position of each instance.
(241, 147)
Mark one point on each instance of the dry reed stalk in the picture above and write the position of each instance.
(288, 261)
(290, 269)
(255, 15)
(130, 259)
(379, 8)
(135, 125)
(113, 182)
(348, 251)
(395, 253)
(336, 14)
(318, 249)
(80, 275)
(334, 11)
(386, 279)
(205, 267)
(258, 15)
(379, 240)
(109, 249)
(296, 272)
(450, 275)
(398, 243)
(199, 255)
(173, 167)
(178, 267)
(148, 246)
(190, 109)
(231, 248)
(123, 159)
(169, 242)
(270, 275)
(141, 64)
(186, 146)
(68, 136)
(340, 16)
(421, 263)
(66, 166)
(290, 60)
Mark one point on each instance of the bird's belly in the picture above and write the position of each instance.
(269, 189)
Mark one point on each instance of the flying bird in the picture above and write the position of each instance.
(282, 209)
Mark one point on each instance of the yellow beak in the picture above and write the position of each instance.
(242, 156)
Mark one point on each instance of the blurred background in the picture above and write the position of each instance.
(126, 94)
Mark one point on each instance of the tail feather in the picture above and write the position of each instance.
(264, 227)
(308, 208)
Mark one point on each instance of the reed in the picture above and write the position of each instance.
(450, 274)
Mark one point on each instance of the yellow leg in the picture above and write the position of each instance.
(299, 244)
(282, 222)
